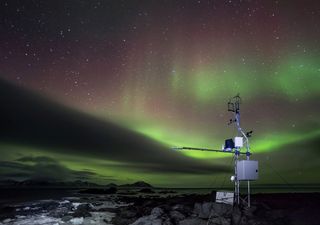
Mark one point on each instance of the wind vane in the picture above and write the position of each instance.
(244, 170)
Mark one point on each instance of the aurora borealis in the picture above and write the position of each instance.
(101, 90)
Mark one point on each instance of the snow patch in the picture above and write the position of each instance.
(75, 205)
(41, 219)
(77, 220)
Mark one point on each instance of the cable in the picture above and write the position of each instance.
(224, 180)
(276, 172)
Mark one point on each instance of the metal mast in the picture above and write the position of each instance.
(234, 106)
(248, 169)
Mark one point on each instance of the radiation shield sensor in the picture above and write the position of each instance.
(238, 142)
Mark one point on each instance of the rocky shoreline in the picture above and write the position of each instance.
(275, 209)
(164, 209)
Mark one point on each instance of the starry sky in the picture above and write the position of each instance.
(101, 90)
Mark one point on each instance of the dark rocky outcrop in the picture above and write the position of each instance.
(199, 210)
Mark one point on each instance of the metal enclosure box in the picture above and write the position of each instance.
(238, 142)
(224, 197)
(247, 170)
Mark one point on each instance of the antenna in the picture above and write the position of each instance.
(244, 170)
(234, 104)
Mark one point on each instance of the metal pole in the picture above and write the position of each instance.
(236, 179)
(248, 158)
(237, 182)
(248, 193)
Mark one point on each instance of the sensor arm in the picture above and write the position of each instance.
(204, 149)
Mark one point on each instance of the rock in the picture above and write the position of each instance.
(66, 218)
(153, 219)
(183, 209)
(197, 208)
(236, 216)
(243, 221)
(60, 212)
(205, 211)
(77, 221)
(193, 221)
(178, 207)
(127, 213)
(221, 210)
(249, 211)
(122, 221)
(219, 221)
(147, 220)
(166, 222)
(7, 220)
(7, 212)
(82, 210)
(157, 212)
(177, 216)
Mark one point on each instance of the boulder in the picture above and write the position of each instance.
(60, 212)
(205, 211)
(212, 209)
(82, 210)
(193, 221)
(219, 221)
(122, 221)
(176, 216)
(197, 208)
(249, 211)
(155, 218)
(156, 212)
(221, 210)
(147, 220)
(127, 213)
(236, 216)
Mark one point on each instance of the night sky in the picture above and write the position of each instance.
(101, 90)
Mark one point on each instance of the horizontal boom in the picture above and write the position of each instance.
(205, 149)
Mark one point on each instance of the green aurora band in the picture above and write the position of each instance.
(166, 70)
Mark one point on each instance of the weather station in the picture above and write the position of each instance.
(245, 170)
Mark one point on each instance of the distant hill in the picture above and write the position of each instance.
(43, 184)
(68, 184)
(138, 184)
(111, 185)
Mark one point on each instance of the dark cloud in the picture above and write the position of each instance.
(30, 120)
(41, 168)
(38, 159)
(160, 168)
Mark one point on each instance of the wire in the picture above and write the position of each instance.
(224, 180)
(277, 173)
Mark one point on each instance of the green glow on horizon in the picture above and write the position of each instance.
(265, 143)
(102, 167)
